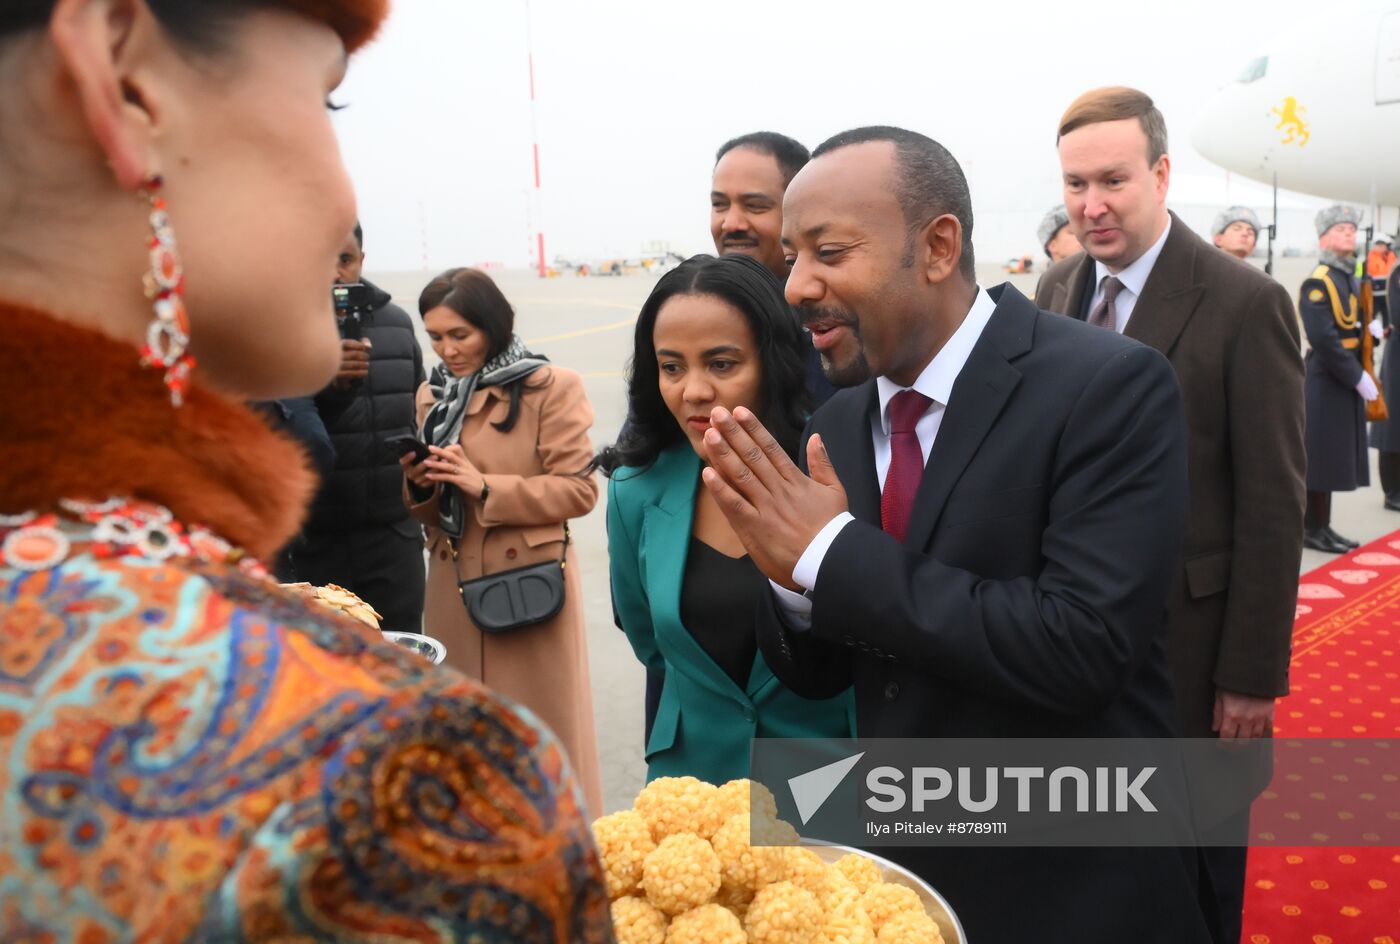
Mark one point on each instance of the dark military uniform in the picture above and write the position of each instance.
(1336, 414)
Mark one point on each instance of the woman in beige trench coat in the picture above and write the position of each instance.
(517, 467)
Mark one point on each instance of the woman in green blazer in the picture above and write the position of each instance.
(714, 333)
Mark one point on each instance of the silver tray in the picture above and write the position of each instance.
(425, 646)
(937, 907)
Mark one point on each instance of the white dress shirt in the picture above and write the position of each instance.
(1134, 277)
(936, 383)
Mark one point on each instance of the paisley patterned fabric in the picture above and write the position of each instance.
(190, 753)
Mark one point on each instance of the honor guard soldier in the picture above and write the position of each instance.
(1336, 387)
(1236, 231)
(1056, 237)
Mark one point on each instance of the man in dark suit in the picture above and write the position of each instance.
(1231, 334)
(985, 543)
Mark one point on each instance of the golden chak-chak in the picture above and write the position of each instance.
(682, 868)
(708, 924)
(637, 922)
(681, 873)
(624, 842)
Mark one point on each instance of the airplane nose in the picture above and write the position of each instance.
(1225, 132)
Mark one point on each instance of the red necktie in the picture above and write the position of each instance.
(906, 462)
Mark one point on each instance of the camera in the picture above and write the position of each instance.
(352, 303)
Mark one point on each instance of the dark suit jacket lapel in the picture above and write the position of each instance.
(981, 390)
(1067, 297)
(1172, 292)
(848, 423)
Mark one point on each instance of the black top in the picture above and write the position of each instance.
(719, 597)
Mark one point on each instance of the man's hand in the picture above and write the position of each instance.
(770, 504)
(354, 362)
(1242, 716)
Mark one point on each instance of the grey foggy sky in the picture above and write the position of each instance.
(634, 97)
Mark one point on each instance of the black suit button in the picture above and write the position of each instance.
(891, 691)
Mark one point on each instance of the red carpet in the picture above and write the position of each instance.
(1345, 684)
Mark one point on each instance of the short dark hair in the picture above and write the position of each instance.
(930, 183)
(752, 289)
(1117, 103)
(360, 236)
(790, 155)
(471, 294)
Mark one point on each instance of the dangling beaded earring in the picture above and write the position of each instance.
(168, 336)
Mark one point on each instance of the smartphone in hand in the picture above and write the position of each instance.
(400, 446)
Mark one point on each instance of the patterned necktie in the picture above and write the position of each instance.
(906, 462)
(1105, 313)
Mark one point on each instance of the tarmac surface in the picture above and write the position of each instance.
(586, 324)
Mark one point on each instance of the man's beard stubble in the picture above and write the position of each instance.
(857, 370)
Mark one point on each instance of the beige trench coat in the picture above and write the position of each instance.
(534, 489)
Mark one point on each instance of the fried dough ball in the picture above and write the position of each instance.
(861, 871)
(672, 805)
(624, 841)
(784, 913)
(910, 927)
(682, 873)
(882, 902)
(708, 924)
(745, 796)
(637, 922)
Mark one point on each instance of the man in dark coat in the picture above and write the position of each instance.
(987, 536)
(1337, 388)
(360, 535)
(1232, 337)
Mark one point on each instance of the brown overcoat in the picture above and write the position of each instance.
(1231, 333)
(532, 473)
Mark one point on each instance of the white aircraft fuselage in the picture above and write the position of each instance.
(1324, 119)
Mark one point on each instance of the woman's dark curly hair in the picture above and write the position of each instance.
(782, 352)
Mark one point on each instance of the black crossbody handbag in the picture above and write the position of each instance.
(517, 598)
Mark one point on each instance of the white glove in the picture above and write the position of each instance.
(1377, 331)
(1367, 388)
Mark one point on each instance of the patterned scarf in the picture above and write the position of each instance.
(443, 425)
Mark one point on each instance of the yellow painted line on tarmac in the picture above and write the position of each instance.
(600, 329)
(574, 303)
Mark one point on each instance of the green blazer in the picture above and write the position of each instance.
(705, 722)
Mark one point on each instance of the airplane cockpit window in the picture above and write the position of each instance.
(1255, 70)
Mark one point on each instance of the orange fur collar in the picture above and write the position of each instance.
(355, 20)
(80, 418)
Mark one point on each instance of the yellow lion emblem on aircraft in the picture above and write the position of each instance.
(1290, 117)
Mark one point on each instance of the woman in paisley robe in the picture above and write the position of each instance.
(187, 751)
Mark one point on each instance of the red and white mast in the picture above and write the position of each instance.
(535, 143)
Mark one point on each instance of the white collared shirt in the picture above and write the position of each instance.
(935, 382)
(1134, 277)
